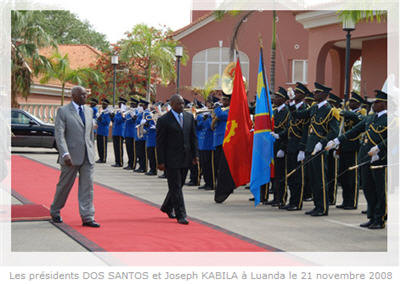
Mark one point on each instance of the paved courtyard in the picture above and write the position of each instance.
(287, 231)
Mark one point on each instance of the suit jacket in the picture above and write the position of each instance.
(72, 136)
(176, 146)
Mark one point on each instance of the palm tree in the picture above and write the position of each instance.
(220, 14)
(60, 69)
(360, 15)
(26, 38)
(156, 48)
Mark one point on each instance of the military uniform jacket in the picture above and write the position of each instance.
(130, 124)
(296, 132)
(118, 124)
(103, 124)
(137, 124)
(205, 134)
(150, 135)
(219, 132)
(375, 129)
(324, 126)
(281, 119)
(351, 118)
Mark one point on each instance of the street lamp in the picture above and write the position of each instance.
(348, 26)
(114, 62)
(178, 54)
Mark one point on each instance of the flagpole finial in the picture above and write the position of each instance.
(260, 41)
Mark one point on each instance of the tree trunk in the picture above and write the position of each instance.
(62, 94)
(235, 34)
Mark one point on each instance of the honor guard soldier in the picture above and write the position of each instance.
(206, 148)
(118, 133)
(281, 118)
(307, 196)
(296, 134)
(323, 127)
(130, 133)
(348, 154)
(373, 149)
(103, 123)
(150, 135)
(332, 162)
(140, 138)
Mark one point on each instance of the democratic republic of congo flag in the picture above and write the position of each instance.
(262, 166)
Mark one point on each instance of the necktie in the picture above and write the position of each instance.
(82, 115)
(181, 119)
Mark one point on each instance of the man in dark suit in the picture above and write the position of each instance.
(176, 150)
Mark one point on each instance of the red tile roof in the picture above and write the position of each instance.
(200, 19)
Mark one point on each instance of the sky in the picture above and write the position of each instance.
(114, 17)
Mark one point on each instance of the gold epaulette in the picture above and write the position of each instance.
(363, 112)
(336, 113)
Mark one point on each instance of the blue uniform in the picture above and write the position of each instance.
(103, 123)
(130, 134)
(219, 131)
(130, 126)
(118, 125)
(95, 111)
(150, 135)
(204, 133)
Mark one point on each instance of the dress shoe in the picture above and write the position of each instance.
(332, 203)
(100, 161)
(183, 221)
(341, 206)
(191, 183)
(207, 188)
(364, 212)
(162, 176)
(310, 212)
(116, 165)
(377, 226)
(366, 224)
(319, 213)
(307, 199)
(349, 208)
(203, 186)
(247, 187)
(275, 204)
(92, 224)
(252, 199)
(268, 202)
(139, 171)
(293, 208)
(128, 168)
(56, 219)
(151, 174)
(171, 215)
(284, 207)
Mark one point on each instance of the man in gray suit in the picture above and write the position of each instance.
(74, 136)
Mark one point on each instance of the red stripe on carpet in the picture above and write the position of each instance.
(29, 212)
(127, 224)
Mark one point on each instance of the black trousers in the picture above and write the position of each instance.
(375, 187)
(331, 176)
(318, 182)
(118, 142)
(279, 185)
(130, 150)
(174, 199)
(217, 158)
(307, 181)
(349, 179)
(206, 167)
(295, 181)
(225, 183)
(102, 147)
(151, 156)
(141, 154)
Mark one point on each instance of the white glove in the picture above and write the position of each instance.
(333, 144)
(275, 135)
(373, 151)
(143, 121)
(374, 158)
(291, 94)
(317, 148)
(280, 154)
(335, 155)
(301, 156)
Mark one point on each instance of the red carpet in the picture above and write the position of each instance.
(29, 212)
(127, 224)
